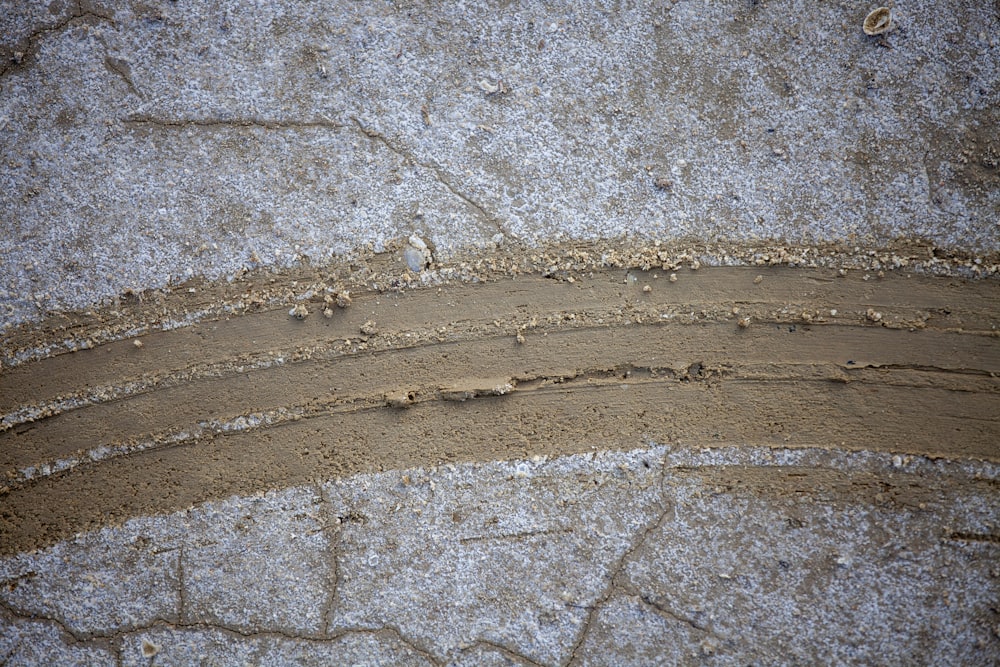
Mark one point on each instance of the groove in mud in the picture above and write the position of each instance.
(508, 369)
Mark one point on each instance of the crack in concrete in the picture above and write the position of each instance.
(111, 639)
(397, 634)
(265, 123)
(670, 614)
(615, 572)
(507, 652)
(34, 39)
(121, 68)
(516, 536)
(968, 536)
(108, 640)
(181, 585)
(75, 638)
(332, 555)
(439, 174)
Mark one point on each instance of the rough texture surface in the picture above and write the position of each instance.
(259, 399)
(148, 142)
(658, 555)
(702, 366)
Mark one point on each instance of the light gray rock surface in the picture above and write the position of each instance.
(144, 143)
(644, 557)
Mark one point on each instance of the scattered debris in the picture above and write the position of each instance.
(417, 255)
(490, 88)
(400, 399)
(878, 22)
(463, 391)
(299, 312)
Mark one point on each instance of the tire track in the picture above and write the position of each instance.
(506, 369)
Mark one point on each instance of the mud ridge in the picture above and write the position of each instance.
(503, 369)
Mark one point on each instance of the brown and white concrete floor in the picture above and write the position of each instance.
(385, 334)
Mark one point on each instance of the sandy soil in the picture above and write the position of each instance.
(573, 357)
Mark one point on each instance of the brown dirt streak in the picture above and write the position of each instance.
(941, 302)
(598, 380)
(560, 420)
(558, 353)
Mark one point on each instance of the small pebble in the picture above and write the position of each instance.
(149, 649)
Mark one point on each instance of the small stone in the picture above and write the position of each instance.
(758, 280)
(673, 277)
(299, 312)
(878, 22)
(137, 343)
(149, 649)
(399, 399)
(416, 254)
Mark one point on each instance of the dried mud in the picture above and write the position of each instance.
(518, 364)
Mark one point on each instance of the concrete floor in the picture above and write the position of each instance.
(148, 143)
(643, 557)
